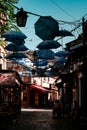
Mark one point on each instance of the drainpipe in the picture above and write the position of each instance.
(79, 84)
(83, 30)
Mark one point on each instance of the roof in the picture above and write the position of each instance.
(9, 77)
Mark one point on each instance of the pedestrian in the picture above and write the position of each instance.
(56, 109)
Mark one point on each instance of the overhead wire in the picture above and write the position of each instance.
(58, 6)
(76, 23)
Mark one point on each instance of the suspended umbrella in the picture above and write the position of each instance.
(61, 60)
(50, 73)
(14, 36)
(15, 47)
(41, 63)
(23, 64)
(46, 28)
(48, 44)
(57, 66)
(0, 57)
(12, 47)
(22, 48)
(15, 56)
(64, 33)
(45, 54)
(62, 53)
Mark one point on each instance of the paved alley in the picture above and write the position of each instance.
(39, 119)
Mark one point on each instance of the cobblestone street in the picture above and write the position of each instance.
(39, 119)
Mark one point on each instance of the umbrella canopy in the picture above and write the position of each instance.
(61, 60)
(62, 53)
(14, 36)
(41, 63)
(0, 57)
(45, 54)
(46, 28)
(64, 33)
(14, 56)
(48, 44)
(15, 47)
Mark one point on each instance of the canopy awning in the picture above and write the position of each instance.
(40, 88)
(9, 78)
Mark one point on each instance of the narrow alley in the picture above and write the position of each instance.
(39, 119)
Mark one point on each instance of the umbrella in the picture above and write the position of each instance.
(61, 60)
(45, 54)
(22, 48)
(14, 36)
(0, 57)
(41, 63)
(57, 65)
(46, 28)
(48, 44)
(50, 73)
(15, 56)
(62, 53)
(64, 33)
(15, 47)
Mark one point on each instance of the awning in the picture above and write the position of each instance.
(9, 78)
(40, 88)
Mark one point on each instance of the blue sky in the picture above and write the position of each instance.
(61, 10)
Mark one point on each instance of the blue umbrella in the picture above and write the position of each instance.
(0, 57)
(46, 28)
(41, 63)
(22, 48)
(45, 54)
(15, 56)
(64, 33)
(62, 53)
(14, 36)
(12, 47)
(48, 44)
(61, 60)
(15, 47)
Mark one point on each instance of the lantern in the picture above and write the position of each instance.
(21, 18)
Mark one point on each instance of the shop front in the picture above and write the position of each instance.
(36, 96)
(10, 93)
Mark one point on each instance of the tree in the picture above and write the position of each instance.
(7, 15)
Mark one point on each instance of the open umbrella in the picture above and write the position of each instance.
(15, 47)
(45, 54)
(15, 56)
(62, 53)
(48, 44)
(46, 27)
(14, 36)
(12, 47)
(64, 33)
(0, 57)
(41, 63)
